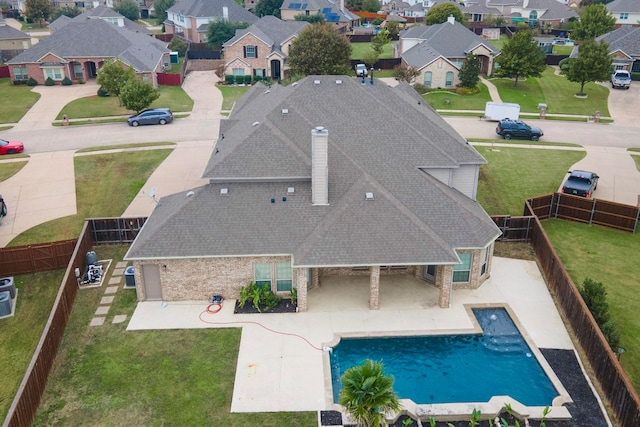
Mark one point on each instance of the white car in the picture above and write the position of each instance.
(361, 70)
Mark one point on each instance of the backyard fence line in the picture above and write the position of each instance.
(35, 258)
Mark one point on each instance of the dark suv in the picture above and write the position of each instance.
(509, 128)
(153, 116)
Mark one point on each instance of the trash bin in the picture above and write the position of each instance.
(7, 284)
(5, 303)
(130, 277)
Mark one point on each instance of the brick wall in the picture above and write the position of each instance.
(237, 51)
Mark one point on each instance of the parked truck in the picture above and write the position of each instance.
(621, 78)
(501, 110)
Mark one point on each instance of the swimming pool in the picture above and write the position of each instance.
(454, 368)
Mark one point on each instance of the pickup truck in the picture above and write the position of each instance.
(621, 78)
(581, 183)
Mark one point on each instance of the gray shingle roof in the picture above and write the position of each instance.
(99, 12)
(98, 38)
(330, 9)
(625, 39)
(270, 30)
(7, 32)
(212, 9)
(379, 139)
(624, 6)
(553, 10)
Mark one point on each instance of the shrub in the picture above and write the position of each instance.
(267, 81)
(229, 79)
(103, 93)
(467, 90)
(239, 80)
(595, 297)
(178, 45)
(247, 80)
(66, 81)
(258, 295)
(80, 81)
(420, 88)
(32, 82)
(49, 82)
(635, 77)
(257, 79)
(19, 82)
(564, 64)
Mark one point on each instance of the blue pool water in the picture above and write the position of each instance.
(454, 368)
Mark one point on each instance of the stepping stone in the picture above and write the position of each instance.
(106, 300)
(97, 321)
(118, 272)
(111, 290)
(119, 318)
(115, 280)
(102, 310)
(122, 264)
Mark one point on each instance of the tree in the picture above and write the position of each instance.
(440, 13)
(129, 9)
(469, 74)
(220, 32)
(393, 27)
(113, 75)
(405, 73)
(371, 5)
(70, 11)
(370, 57)
(177, 44)
(316, 18)
(367, 394)
(521, 58)
(320, 49)
(267, 7)
(380, 40)
(137, 95)
(161, 7)
(593, 64)
(38, 10)
(594, 22)
(355, 5)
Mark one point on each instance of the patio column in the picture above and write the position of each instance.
(374, 287)
(301, 286)
(445, 274)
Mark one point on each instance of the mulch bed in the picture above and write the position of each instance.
(284, 306)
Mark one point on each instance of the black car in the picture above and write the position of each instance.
(154, 116)
(508, 128)
(581, 183)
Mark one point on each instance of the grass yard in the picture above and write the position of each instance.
(610, 257)
(555, 91)
(437, 99)
(145, 378)
(359, 50)
(15, 101)
(172, 97)
(116, 178)
(231, 94)
(509, 178)
(20, 334)
(9, 169)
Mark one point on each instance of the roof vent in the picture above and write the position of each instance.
(285, 111)
(224, 191)
(368, 196)
(267, 91)
(338, 82)
(291, 190)
(294, 84)
(316, 82)
(189, 194)
(255, 124)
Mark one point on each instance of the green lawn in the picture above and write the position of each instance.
(175, 68)
(359, 50)
(15, 101)
(514, 174)
(610, 257)
(555, 91)
(438, 100)
(8, 169)
(231, 94)
(172, 97)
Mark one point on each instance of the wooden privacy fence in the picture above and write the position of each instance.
(615, 384)
(35, 258)
(514, 228)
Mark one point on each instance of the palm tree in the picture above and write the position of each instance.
(367, 394)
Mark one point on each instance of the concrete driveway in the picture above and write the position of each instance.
(624, 105)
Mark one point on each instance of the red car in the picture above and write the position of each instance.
(11, 147)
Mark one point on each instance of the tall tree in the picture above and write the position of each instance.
(137, 95)
(38, 10)
(161, 7)
(393, 27)
(371, 5)
(521, 57)
(594, 21)
(441, 12)
(593, 64)
(70, 11)
(267, 7)
(367, 394)
(129, 9)
(469, 74)
(379, 41)
(113, 75)
(320, 49)
(219, 32)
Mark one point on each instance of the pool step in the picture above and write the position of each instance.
(505, 343)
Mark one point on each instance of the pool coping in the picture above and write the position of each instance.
(454, 411)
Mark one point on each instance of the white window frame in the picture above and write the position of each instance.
(485, 261)
(238, 71)
(250, 51)
(428, 83)
(56, 73)
(462, 272)
(624, 16)
(260, 276)
(20, 73)
(447, 82)
(284, 277)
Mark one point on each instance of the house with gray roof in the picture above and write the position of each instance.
(79, 48)
(537, 13)
(334, 12)
(624, 47)
(439, 51)
(113, 17)
(626, 12)
(324, 177)
(190, 19)
(12, 41)
(261, 50)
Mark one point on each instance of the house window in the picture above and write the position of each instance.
(485, 259)
(20, 73)
(262, 275)
(55, 73)
(477, 17)
(449, 82)
(635, 68)
(166, 62)
(259, 72)
(427, 79)
(462, 271)
(77, 70)
(251, 51)
(619, 67)
(238, 71)
(284, 276)
(624, 16)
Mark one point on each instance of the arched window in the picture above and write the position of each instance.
(449, 82)
(427, 79)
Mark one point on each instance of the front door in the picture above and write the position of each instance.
(429, 273)
(151, 279)
(275, 70)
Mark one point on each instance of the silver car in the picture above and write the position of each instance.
(154, 116)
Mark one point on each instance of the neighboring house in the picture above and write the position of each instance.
(190, 19)
(103, 13)
(333, 11)
(12, 41)
(626, 12)
(262, 49)
(438, 52)
(624, 48)
(537, 13)
(324, 177)
(79, 48)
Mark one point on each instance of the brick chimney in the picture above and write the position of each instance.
(319, 166)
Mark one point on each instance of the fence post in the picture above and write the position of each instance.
(593, 210)
(636, 224)
(557, 205)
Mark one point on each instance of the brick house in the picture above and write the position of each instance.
(262, 49)
(438, 52)
(385, 188)
(12, 41)
(78, 49)
(626, 12)
(190, 19)
(624, 48)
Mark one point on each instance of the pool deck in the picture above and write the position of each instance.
(281, 362)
